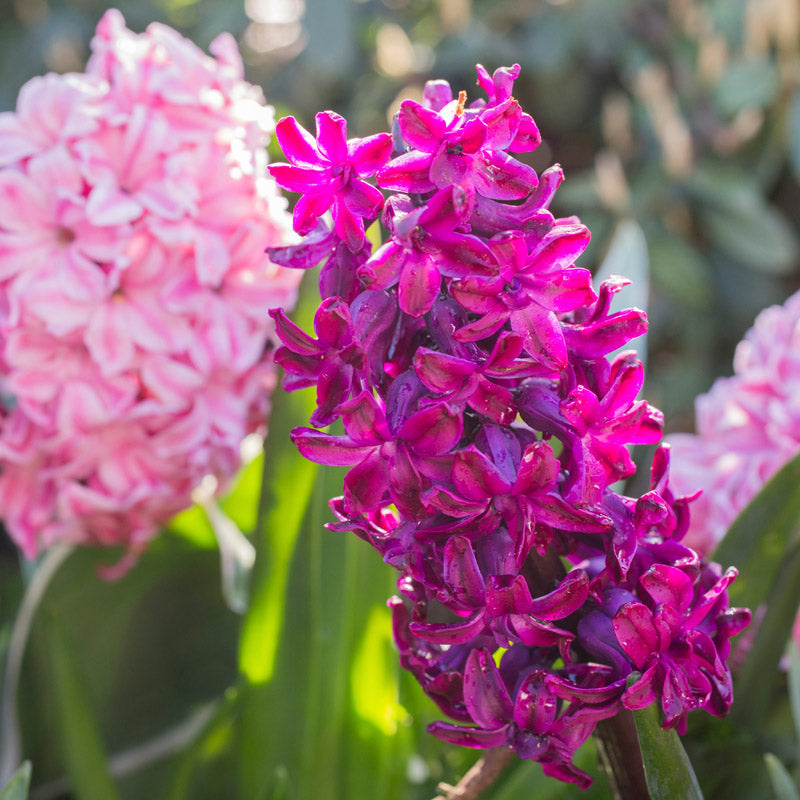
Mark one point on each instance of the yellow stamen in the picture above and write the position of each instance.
(462, 101)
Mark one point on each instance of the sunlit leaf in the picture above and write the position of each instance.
(286, 490)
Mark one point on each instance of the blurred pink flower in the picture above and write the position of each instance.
(135, 345)
(748, 426)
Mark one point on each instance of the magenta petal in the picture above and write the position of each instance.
(527, 137)
(445, 633)
(384, 266)
(570, 595)
(299, 179)
(493, 401)
(297, 143)
(668, 585)
(349, 226)
(333, 387)
(297, 340)
(337, 451)
(309, 208)
(369, 154)
(363, 199)
(482, 327)
(476, 476)
(485, 694)
(333, 324)
(541, 334)
(600, 695)
(634, 629)
(705, 603)
(420, 283)
(364, 420)
(553, 510)
(600, 338)
(505, 351)
(450, 503)
(538, 469)
(535, 633)
(462, 574)
(498, 176)
(641, 693)
(468, 737)
(332, 136)
(507, 595)
(408, 172)
(366, 484)
(421, 127)
(563, 244)
(433, 430)
(471, 137)
(441, 372)
(536, 707)
(436, 94)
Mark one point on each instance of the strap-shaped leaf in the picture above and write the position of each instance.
(782, 783)
(667, 768)
(755, 681)
(78, 727)
(17, 787)
(285, 493)
(756, 542)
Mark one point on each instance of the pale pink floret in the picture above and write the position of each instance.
(135, 354)
(748, 426)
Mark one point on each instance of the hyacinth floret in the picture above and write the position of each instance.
(135, 352)
(466, 363)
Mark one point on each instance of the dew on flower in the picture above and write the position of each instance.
(488, 405)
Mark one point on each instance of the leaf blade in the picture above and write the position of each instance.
(667, 768)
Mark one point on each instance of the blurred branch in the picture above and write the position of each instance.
(10, 746)
(480, 777)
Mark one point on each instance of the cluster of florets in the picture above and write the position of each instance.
(748, 425)
(134, 341)
(484, 425)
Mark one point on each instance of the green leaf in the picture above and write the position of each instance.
(679, 270)
(17, 787)
(746, 84)
(667, 768)
(627, 256)
(782, 783)
(200, 757)
(78, 728)
(793, 685)
(761, 543)
(793, 120)
(286, 489)
(758, 676)
(268, 702)
(756, 542)
(740, 223)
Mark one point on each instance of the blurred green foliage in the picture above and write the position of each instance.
(680, 116)
(683, 115)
